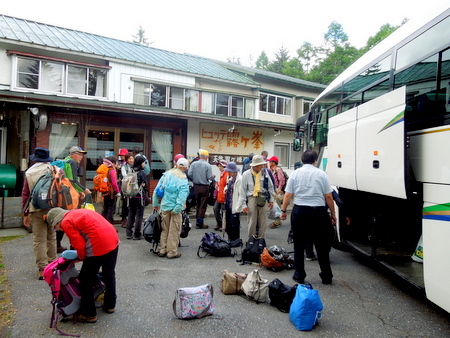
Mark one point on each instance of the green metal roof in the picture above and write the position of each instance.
(41, 34)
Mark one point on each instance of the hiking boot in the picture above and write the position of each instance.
(325, 281)
(124, 223)
(274, 225)
(85, 319)
(312, 258)
(60, 249)
(201, 226)
(109, 310)
(162, 254)
(178, 255)
(218, 228)
(40, 275)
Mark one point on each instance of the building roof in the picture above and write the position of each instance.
(40, 34)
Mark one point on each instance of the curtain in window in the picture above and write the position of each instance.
(60, 138)
(162, 143)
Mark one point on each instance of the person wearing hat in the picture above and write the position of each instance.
(200, 173)
(257, 196)
(176, 191)
(220, 200)
(137, 153)
(44, 238)
(97, 244)
(230, 186)
(73, 173)
(280, 182)
(109, 169)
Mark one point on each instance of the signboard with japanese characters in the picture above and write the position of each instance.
(232, 144)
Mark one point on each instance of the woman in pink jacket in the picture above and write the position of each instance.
(97, 244)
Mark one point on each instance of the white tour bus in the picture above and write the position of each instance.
(382, 129)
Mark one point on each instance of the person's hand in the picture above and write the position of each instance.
(270, 205)
(26, 221)
(245, 210)
(87, 191)
(82, 195)
(333, 219)
(155, 208)
(283, 216)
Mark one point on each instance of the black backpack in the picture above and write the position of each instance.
(253, 250)
(152, 230)
(281, 295)
(214, 245)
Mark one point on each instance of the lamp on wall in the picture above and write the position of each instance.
(277, 132)
(40, 118)
(231, 129)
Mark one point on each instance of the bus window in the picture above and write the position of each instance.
(445, 84)
(371, 75)
(425, 102)
(433, 39)
(352, 102)
(376, 91)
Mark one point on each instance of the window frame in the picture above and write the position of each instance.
(272, 103)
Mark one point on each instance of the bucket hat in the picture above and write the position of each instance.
(231, 167)
(257, 160)
(41, 155)
(55, 215)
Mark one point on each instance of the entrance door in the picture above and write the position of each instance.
(103, 142)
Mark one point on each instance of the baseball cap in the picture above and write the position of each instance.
(76, 149)
(182, 162)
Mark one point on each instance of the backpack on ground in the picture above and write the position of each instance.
(214, 245)
(101, 181)
(62, 277)
(276, 258)
(185, 225)
(152, 230)
(281, 295)
(54, 189)
(130, 186)
(253, 250)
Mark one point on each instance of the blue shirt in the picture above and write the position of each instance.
(309, 185)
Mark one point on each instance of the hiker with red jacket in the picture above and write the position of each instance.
(97, 244)
(109, 167)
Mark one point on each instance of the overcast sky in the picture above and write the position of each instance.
(224, 29)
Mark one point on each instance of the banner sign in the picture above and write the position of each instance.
(240, 141)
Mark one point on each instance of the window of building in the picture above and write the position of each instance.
(191, 98)
(39, 74)
(281, 151)
(176, 98)
(275, 104)
(48, 76)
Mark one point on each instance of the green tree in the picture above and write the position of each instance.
(141, 38)
(263, 61)
(307, 55)
(294, 68)
(336, 35)
(281, 57)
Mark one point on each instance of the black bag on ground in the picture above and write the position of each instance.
(152, 230)
(214, 245)
(253, 249)
(281, 295)
(185, 225)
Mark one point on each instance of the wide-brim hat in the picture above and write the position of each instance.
(55, 215)
(231, 167)
(41, 155)
(257, 160)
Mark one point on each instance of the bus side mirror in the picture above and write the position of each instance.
(297, 145)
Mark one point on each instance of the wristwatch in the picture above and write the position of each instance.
(283, 210)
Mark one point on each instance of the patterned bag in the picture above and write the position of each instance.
(194, 302)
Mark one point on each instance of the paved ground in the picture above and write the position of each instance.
(360, 302)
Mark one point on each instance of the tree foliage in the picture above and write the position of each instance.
(322, 63)
(140, 37)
